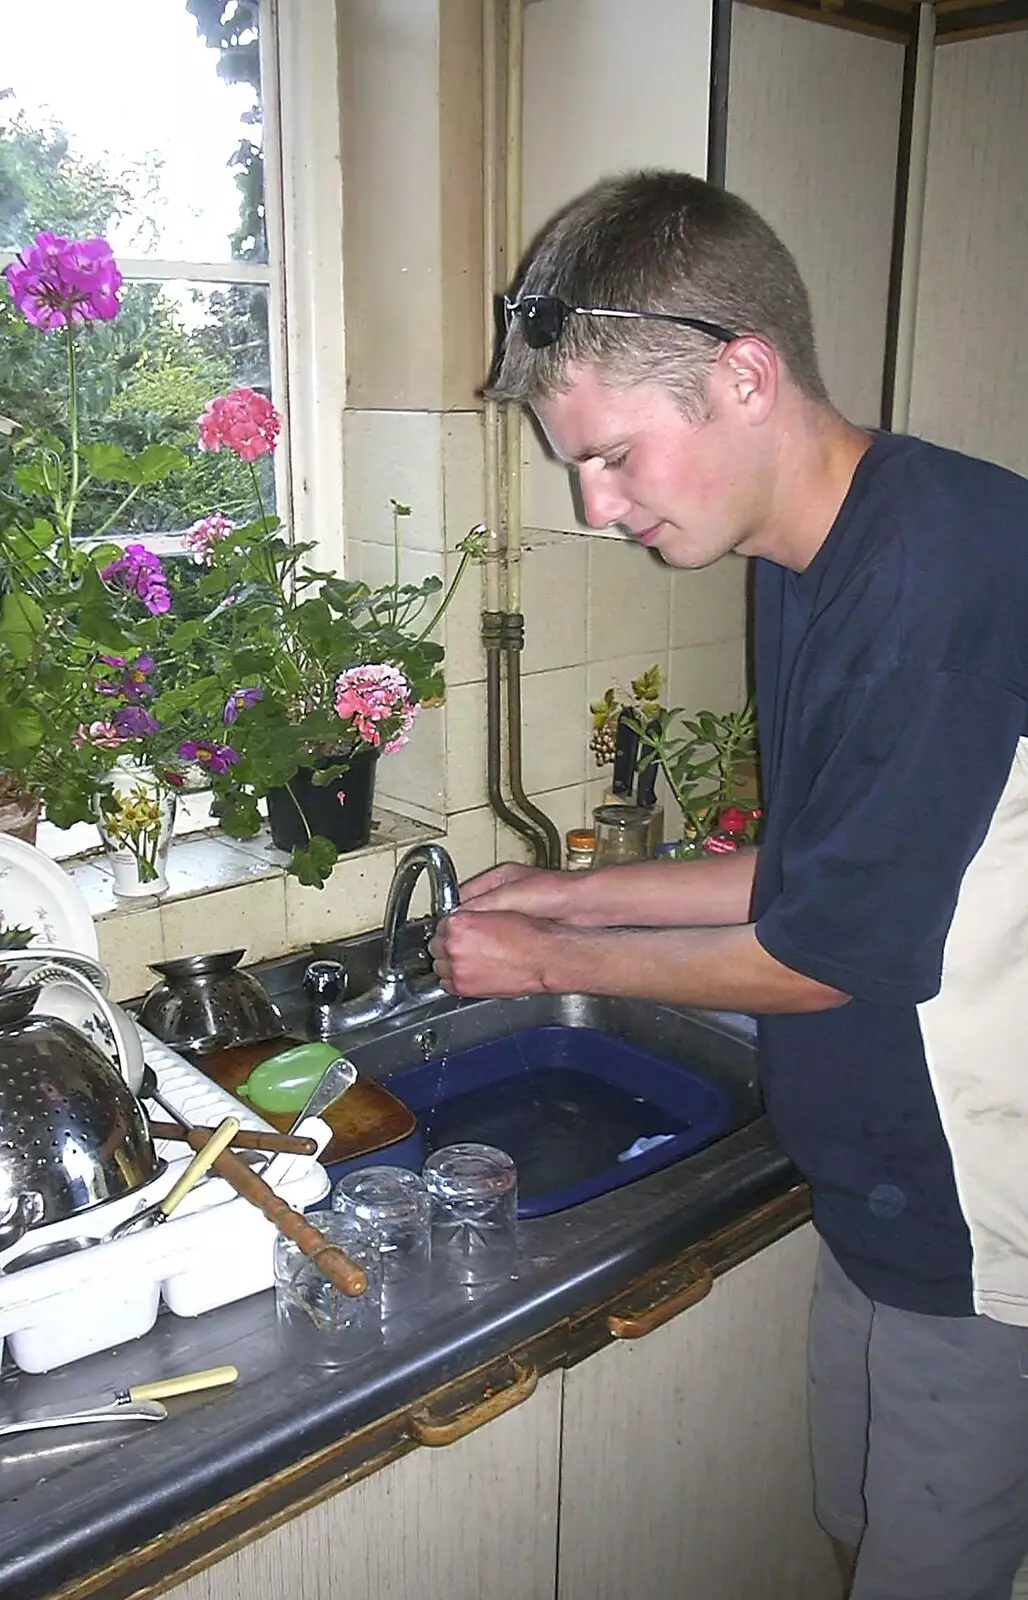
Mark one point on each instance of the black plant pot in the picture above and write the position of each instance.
(347, 823)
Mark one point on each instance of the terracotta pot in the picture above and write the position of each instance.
(346, 822)
(19, 816)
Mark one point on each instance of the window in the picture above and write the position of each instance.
(201, 138)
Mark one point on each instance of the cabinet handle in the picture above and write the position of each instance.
(694, 1284)
(491, 1405)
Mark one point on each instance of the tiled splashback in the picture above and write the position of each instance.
(598, 610)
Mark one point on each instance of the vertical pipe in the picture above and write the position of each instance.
(490, 248)
(512, 253)
(913, 222)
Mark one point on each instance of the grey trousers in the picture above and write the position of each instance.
(919, 1432)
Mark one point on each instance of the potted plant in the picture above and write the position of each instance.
(708, 758)
(125, 678)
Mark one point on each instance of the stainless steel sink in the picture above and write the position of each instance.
(587, 1092)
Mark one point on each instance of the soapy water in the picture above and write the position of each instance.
(559, 1126)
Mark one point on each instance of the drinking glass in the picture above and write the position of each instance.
(474, 1194)
(391, 1204)
(318, 1323)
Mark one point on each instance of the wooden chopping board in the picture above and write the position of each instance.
(367, 1118)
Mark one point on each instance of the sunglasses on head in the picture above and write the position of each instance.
(542, 318)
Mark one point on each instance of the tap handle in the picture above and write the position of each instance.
(324, 981)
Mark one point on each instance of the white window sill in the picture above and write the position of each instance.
(205, 862)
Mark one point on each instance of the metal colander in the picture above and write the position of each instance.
(72, 1134)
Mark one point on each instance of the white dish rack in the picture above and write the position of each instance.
(215, 1248)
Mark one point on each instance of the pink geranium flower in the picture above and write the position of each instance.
(205, 534)
(244, 421)
(57, 281)
(371, 695)
(103, 734)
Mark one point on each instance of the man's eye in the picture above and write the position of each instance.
(611, 463)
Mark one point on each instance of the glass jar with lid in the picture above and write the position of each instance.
(580, 844)
(622, 835)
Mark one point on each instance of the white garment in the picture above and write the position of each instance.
(975, 1034)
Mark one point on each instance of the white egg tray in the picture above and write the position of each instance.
(215, 1248)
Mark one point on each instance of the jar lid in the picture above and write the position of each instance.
(614, 816)
(580, 839)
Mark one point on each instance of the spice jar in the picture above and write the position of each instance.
(622, 835)
(580, 843)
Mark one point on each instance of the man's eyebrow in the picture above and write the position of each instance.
(592, 451)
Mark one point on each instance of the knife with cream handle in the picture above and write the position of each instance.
(139, 1403)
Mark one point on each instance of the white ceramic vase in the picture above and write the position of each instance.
(135, 823)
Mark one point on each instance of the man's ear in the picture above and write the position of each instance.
(749, 371)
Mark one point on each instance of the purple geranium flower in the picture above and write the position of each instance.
(240, 700)
(57, 281)
(216, 758)
(141, 573)
(135, 722)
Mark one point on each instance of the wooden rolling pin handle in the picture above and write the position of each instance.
(337, 1267)
(245, 1139)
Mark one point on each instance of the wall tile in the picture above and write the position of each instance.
(128, 941)
(629, 599)
(465, 714)
(393, 455)
(250, 914)
(709, 605)
(707, 677)
(471, 841)
(415, 777)
(462, 625)
(352, 901)
(463, 474)
(554, 579)
(555, 731)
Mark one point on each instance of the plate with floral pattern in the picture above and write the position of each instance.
(38, 896)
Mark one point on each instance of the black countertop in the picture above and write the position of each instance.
(73, 1500)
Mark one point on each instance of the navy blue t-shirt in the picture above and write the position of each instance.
(892, 686)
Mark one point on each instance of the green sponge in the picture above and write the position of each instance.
(285, 1082)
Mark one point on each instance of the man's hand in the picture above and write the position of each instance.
(491, 953)
(534, 891)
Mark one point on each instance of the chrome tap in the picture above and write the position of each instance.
(393, 993)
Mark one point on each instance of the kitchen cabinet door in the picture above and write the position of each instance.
(685, 1465)
(474, 1520)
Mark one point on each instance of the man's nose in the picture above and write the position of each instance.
(602, 502)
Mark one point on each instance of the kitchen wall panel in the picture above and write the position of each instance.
(971, 331)
(813, 128)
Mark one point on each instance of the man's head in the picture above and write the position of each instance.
(656, 242)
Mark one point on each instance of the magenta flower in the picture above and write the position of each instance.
(141, 573)
(204, 535)
(103, 734)
(133, 684)
(134, 722)
(372, 695)
(216, 758)
(244, 421)
(57, 281)
(240, 700)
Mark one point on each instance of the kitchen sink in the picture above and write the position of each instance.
(587, 1093)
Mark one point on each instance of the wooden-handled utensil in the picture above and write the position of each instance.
(184, 1383)
(337, 1266)
(245, 1139)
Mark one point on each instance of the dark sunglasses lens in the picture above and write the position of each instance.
(542, 318)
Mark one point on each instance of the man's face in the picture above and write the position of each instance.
(679, 487)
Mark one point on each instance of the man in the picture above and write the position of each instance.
(662, 336)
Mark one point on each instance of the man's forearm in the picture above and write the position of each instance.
(720, 968)
(710, 893)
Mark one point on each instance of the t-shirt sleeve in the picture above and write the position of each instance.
(910, 767)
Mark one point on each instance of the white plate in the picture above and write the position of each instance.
(36, 893)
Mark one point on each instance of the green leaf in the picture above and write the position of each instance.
(21, 623)
(238, 814)
(313, 866)
(111, 464)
